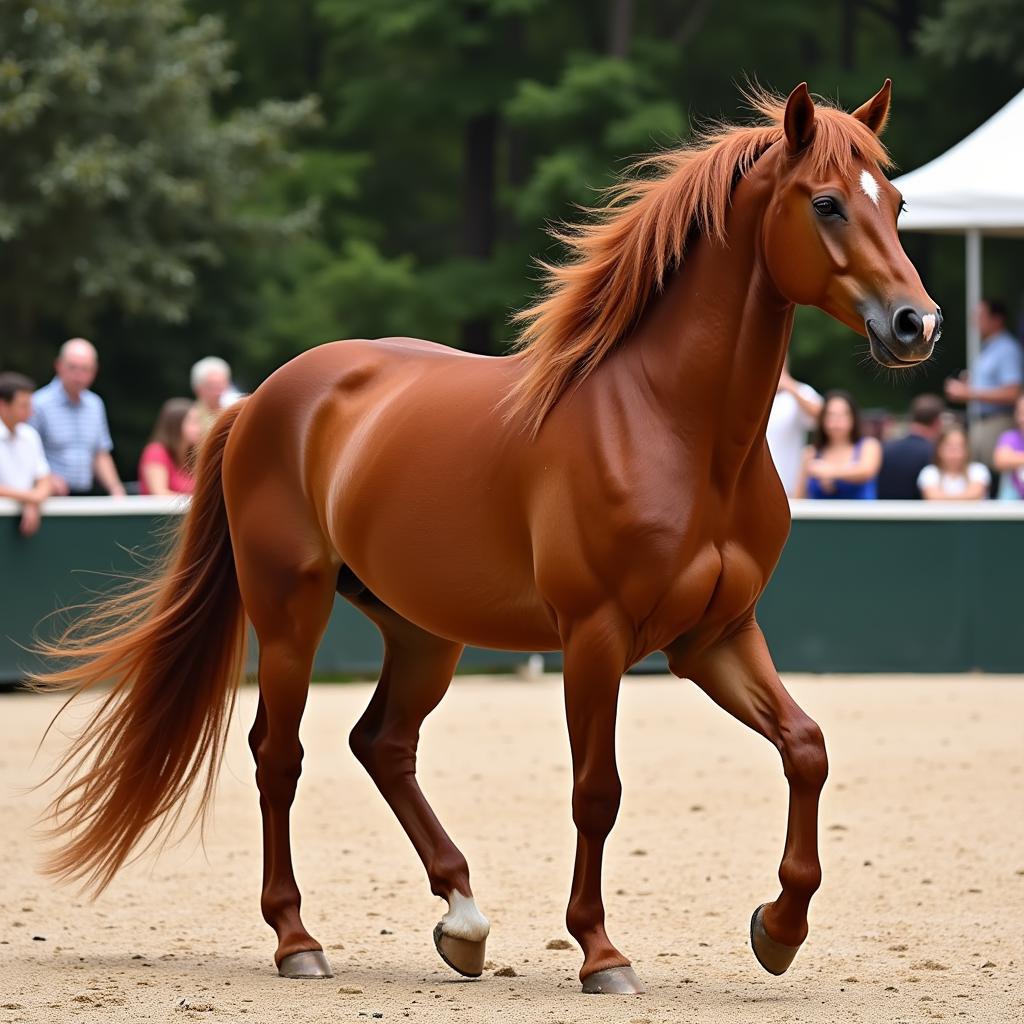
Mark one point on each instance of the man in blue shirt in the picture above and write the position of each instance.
(72, 422)
(992, 388)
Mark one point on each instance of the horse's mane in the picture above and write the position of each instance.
(622, 257)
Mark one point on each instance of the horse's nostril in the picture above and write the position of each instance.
(907, 325)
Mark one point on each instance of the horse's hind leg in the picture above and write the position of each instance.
(738, 674)
(416, 674)
(289, 608)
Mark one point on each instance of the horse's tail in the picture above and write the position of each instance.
(173, 648)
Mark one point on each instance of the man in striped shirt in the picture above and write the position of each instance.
(72, 422)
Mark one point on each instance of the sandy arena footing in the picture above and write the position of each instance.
(919, 917)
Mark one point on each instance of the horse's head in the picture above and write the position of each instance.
(830, 232)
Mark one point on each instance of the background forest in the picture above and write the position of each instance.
(249, 178)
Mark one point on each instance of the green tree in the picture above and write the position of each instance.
(119, 187)
(967, 31)
(452, 133)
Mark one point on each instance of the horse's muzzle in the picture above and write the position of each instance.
(904, 337)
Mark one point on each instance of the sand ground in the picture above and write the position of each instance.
(919, 917)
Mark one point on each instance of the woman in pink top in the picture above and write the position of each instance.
(165, 464)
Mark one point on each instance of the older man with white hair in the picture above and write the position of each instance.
(72, 422)
(211, 384)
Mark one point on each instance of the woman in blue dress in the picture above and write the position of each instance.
(840, 463)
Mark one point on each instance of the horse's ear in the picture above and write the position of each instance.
(799, 119)
(875, 112)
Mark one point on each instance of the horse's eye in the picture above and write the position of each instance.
(826, 206)
(903, 205)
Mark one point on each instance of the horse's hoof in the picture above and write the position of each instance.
(615, 981)
(773, 956)
(462, 955)
(310, 963)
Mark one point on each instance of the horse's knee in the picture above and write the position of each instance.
(803, 752)
(595, 806)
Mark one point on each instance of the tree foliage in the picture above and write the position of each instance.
(119, 188)
(453, 132)
(976, 31)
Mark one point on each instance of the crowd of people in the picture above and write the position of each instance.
(56, 441)
(941, 455)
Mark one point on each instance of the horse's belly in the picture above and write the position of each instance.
(451, 588)
(440, 539)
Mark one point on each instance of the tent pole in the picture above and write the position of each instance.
(973, 296)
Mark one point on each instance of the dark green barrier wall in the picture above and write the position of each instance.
(850, 595)
(892, 596)
(74, 557)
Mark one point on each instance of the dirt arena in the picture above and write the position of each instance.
(919, 917)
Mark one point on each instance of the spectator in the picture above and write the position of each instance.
(841, 462)
(165, 466)
(24, 473)
(996, 382)
(952, 477)
(1009, 456)
(72, 422)
(211, 384)
(794, 411)
(905, 457)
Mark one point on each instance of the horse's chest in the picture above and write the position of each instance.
(717, 582)
(715, 585)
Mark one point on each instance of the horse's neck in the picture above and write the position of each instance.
(712, 346)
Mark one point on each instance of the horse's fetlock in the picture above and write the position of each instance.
(582, 916)
(800, 876)
(448, 872)
(279, 899)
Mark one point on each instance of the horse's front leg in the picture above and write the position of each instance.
(738, 674)
(595, 659)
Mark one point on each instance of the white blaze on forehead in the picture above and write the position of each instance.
(869, 186)
(464, 920)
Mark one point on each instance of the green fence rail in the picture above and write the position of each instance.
(861, 587)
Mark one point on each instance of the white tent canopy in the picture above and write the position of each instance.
(976, 185)
(974, 188)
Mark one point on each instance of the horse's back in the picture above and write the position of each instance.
(399, 450)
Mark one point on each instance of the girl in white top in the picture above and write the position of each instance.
(952, 477)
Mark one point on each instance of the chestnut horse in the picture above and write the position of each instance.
(606, 491)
